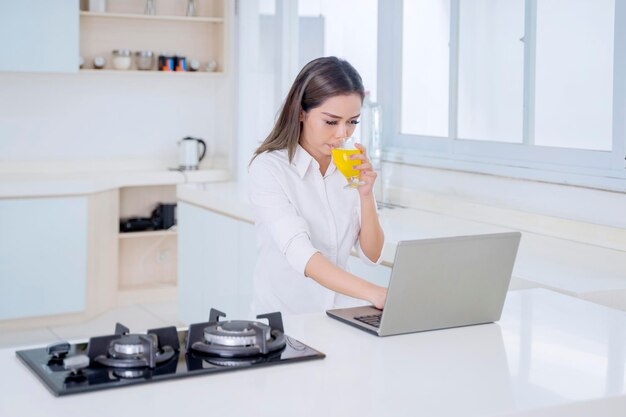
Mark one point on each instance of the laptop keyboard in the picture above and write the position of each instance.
(371, 319)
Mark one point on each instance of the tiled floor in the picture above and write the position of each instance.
(139, 317)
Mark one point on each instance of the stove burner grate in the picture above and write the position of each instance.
(237, 339)
(124, 350)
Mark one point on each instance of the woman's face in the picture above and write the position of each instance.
(323, 127)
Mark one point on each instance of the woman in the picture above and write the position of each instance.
(306, 222)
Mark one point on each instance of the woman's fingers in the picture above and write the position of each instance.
(364, 167)
(365, 163)
(360, 156)
(367, 173)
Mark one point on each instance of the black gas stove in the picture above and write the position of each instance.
(123, 358)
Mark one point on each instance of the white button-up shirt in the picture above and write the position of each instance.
(297, 213)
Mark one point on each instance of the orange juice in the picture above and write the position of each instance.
(344, 164)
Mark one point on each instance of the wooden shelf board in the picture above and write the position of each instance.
(154, 72)
(153, 17)
(147, 233)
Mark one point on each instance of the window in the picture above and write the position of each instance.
(276, 38)
(425, 35)
(347, 29)
(491, 70)
(526, 88)
(574, 74)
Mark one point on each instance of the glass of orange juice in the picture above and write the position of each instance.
(345, 165)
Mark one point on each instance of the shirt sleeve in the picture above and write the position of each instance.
(273, 208)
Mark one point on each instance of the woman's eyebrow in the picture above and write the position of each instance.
(339, 117)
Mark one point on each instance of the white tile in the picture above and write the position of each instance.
(22, 338)
(135, 318)
(166, 311)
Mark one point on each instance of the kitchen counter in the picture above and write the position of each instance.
(549, 355)
(68, 219)
(230, 199)
(18, 185)
(583, 270)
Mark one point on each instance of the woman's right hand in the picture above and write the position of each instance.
(378, 297)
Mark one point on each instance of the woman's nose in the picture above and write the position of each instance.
(342, 131)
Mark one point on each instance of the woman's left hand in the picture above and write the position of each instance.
(367, 175)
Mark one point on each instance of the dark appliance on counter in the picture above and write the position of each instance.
(162, 218)
(125, 358)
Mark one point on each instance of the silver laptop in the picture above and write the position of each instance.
(441, 283)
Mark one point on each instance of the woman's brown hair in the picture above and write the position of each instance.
(318, 81)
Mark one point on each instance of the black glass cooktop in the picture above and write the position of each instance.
(123, 358)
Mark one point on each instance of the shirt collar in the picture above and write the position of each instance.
(302, 160)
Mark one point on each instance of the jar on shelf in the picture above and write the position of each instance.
(99, 62)
(122, 59)
(144, 60)
(211, 66)
(194, 65)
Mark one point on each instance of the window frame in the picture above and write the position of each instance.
(590, 168)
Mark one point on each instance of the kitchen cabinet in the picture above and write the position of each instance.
(39, 36)
(217, 255)
(202, 37)
(62, 255)
(43, 256)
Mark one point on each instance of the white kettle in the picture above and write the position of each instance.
(190, 153)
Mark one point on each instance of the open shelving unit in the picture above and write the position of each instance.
(148, 260)
(124, 26)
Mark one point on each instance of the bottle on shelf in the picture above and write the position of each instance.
(191, 8)
(97, 6)
(150, 8)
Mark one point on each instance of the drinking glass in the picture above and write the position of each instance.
(341, 157)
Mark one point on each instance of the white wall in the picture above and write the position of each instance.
(108, 116)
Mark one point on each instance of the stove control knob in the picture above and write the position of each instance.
(74, 363)
(58, 350)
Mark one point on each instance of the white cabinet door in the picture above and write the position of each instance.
(246, 260)
(39, 35)
(207, 262)
(216, 258)
(43, 256)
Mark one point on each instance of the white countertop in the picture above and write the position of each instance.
(563, 265)
(19, 185)
(549, 355)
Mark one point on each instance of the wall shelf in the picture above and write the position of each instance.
(154, 73)
(147, 233)
(201, 38)
(199, 19)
